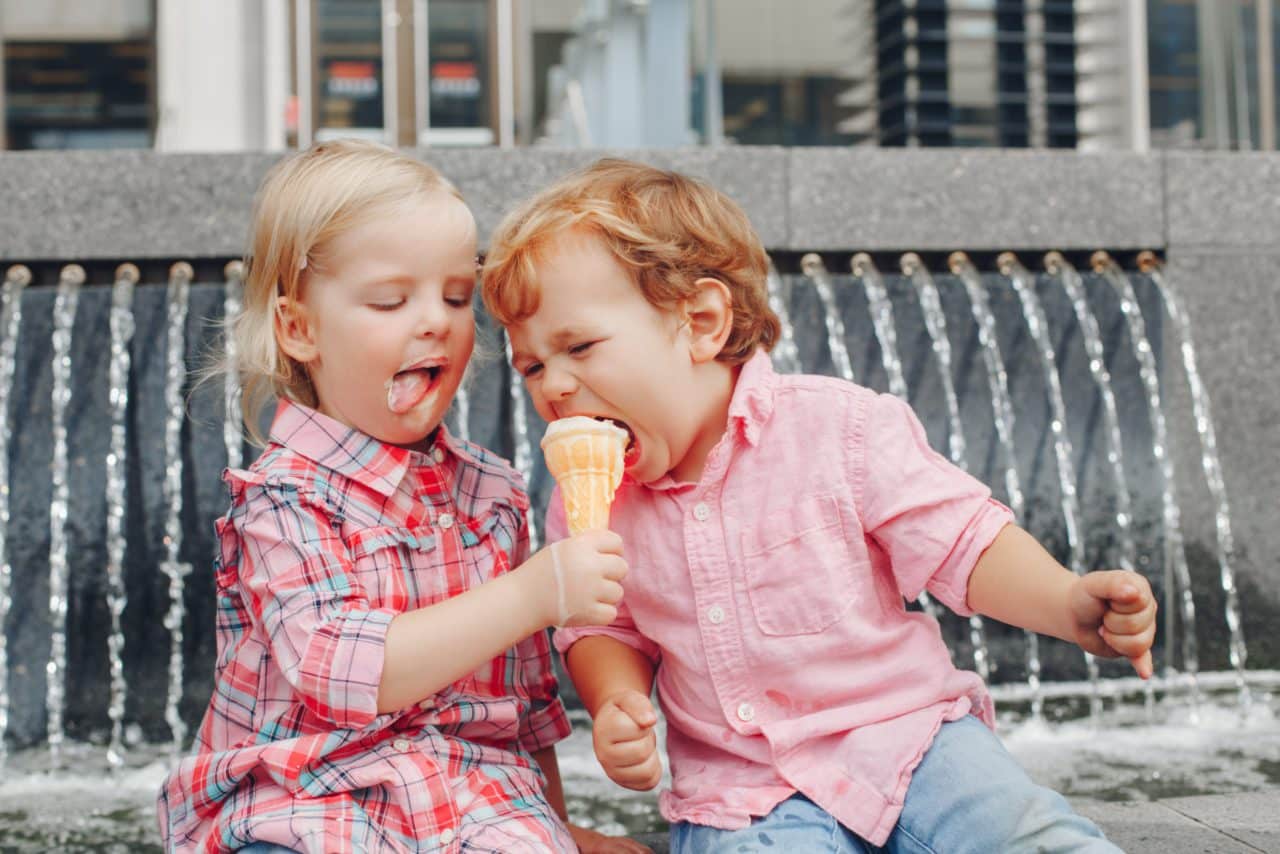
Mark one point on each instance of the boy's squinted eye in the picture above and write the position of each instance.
(386, 306)
(581, 349)
(532, 370)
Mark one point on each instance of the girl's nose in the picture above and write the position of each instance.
(433, 318)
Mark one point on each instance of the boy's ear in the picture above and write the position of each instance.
(709, 316)
(293, 330)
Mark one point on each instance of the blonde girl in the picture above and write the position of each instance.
(383, 680)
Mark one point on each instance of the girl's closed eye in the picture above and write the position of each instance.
(387, 304)
(581, 349)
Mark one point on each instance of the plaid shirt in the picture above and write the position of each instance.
(331, 534)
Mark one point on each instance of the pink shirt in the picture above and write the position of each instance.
(772, 594)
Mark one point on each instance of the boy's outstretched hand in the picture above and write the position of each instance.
(624, 740)
(1114, 613)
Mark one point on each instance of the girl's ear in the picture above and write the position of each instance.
(294, 332)
(709, 316)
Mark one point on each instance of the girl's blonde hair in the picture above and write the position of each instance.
(665, 229)
(304, 202)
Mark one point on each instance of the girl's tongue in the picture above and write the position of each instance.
(407, 388)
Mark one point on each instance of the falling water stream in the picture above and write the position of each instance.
(817, 273)
(1073, 285)
(64, 318)
(1038, 325)
(122, 329)
(517, 429)
(1175, 552)
(1212, 466)
(785, 358)
(935, 322)
(1002, 416)
(232, 429)
(522, 459)
(15, 281)
(180, 275)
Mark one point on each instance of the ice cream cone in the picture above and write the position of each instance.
(585, 457)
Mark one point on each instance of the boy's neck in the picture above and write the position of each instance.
(717, 386)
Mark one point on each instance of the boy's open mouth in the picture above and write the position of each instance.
(408, 387)
(632, 452)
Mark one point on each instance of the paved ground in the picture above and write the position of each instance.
(1205, 780)
(1243, 823)
(1204, 824)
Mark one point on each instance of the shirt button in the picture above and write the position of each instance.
(715, 614)
(746, 712)
(446, 835)
(437, 455)
(401, 744)
(445, 521)
(701, 512)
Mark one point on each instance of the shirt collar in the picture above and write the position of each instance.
(752, 403)
(347, 451)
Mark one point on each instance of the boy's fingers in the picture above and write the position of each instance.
(616, 726)
(639, 777)
(1122, 590)
(627, 754)
(1121, 623)
(638, 708)
(1136, 647)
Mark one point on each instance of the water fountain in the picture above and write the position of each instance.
(1061, 389)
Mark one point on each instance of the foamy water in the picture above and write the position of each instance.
(1214, 750)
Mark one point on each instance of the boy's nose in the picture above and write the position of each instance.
(558, 384)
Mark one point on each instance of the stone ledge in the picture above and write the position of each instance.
(87, 205)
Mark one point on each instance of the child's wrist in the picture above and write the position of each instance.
(537, 586)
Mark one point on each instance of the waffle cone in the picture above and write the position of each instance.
(585, 457)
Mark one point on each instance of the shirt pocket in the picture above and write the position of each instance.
(388, 564)
(800, 575)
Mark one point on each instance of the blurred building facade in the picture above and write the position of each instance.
(185, 75)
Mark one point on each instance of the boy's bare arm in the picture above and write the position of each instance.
(602, 667)
(1017, 582)
(1108, 613)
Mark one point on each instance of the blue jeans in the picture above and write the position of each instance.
(967, 794)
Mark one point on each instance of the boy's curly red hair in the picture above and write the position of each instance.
(667, 229)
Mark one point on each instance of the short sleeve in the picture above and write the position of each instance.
(932, 519)
(298, 581)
